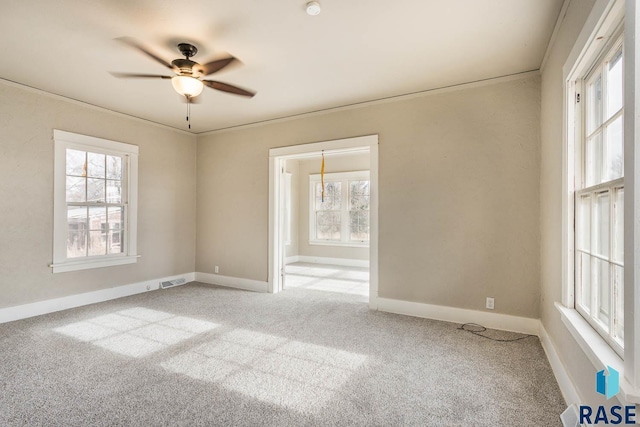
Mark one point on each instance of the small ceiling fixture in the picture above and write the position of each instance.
(313, 8)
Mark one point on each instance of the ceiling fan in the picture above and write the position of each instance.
(187, 80)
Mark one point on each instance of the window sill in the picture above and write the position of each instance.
(332, 243)
(93, 263)
(597, 350)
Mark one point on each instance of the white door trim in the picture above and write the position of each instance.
(277, 156)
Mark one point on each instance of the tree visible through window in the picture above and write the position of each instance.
(95, 205)
(94, 208)
(342, 217)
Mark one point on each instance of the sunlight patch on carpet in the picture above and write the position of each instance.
(272, 369)
(136, 332)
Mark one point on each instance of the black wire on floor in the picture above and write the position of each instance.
(483, 329)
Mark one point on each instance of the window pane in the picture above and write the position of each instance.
(76, 189)
(95, 165)
(332, 196)
(115, 242)
(615, 152)
(97, 217)
(583, 224)
(95, 190)
(594, 160)
(618, 280)
(76, 162)
(76, 244)
(618, 226)
(97, 243)
(328, 225)
(615, 96)
(601, 278)
(359, 195)
(76, 218)
(594, 98)
(600, 224)
(116, 217)
(359, 225)
(114, 191)
(114, 167)
(584, 280)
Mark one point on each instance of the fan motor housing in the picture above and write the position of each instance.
(186, 66)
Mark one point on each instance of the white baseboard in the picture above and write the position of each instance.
(292, 259)
(502, 322)
(233, 282)
(568, 389)
(346, 262)
(18, 312)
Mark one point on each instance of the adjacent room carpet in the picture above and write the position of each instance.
(205, 355)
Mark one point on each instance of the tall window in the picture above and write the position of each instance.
(342, 217)
(599, 197)
(95, 207)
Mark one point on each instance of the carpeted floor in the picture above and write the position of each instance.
(204, 355)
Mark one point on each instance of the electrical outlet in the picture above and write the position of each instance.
(490, 303)
(216, 269)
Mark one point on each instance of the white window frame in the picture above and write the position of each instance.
(583, 189)
(606, 17)
(67, 140)
(343, 177)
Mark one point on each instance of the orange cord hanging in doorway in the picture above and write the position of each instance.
(322, 177)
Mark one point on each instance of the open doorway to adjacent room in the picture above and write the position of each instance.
(323, 220)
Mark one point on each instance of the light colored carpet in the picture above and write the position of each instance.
(204, 355)
(328, 278)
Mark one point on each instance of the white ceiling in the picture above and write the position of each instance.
(354, 51)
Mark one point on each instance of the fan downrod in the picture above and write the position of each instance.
(188, 50)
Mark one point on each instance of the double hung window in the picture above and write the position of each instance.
(95, 202)
(341, 217)
(599, 197)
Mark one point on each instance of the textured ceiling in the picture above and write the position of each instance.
(354, 51)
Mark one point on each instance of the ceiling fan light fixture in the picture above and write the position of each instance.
(313, 8)
(187, 85)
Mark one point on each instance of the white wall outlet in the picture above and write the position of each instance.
(216, 269)
(490, 303)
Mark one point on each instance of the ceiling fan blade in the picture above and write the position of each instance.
(138, 76)
(135, 44)
(215, 66)
(224, 87)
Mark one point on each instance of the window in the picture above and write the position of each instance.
(342, 217)
(599, 197)
(95, 187)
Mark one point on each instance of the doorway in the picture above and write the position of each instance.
(279, 211)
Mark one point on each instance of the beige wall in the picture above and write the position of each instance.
(334, 163)
(579, 368)
(458, 194)
(166, 207)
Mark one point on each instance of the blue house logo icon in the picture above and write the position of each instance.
(608, 382)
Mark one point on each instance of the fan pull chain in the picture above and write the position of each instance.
(188, 110)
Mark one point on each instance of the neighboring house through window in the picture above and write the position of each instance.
(95, 202)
